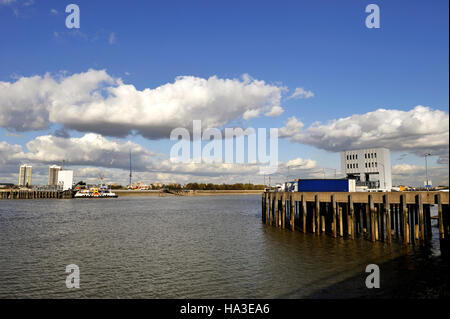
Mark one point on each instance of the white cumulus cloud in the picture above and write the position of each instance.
(292, 128)
(301, 163)
(94, 101)
(418, 131)
(301, 93)
(275, 111)
(92, 154)
(90, 149)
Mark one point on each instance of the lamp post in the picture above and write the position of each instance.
(426, 170)
(334, 169)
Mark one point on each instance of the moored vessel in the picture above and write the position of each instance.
(95, 192)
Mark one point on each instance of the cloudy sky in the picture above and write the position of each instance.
(135, 70)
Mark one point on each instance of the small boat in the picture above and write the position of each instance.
(95, 192)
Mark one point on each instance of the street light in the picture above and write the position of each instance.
(335, 171)
(426, 170)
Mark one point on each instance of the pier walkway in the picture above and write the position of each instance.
(34, 194)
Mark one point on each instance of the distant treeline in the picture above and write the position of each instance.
(202, 186)
(209, 186)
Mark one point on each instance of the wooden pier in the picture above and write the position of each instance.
(34, 194)
(400, 216)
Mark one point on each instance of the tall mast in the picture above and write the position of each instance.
(130, 169)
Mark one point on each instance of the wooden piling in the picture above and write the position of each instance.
(279, 205)
(276, 210)
(411, 227)
(416, 223)
(263, 207)
(404, 211)
(322, 217)
(376, 221)
(317, 214)
(372, 218)
(440, 216)
(428, 230)
(351, 218)
(361, 219)
(382, 220)
(341, 225)
(272, 209)
(303, 213)
(334, 212)
(396, 216)
(368, 220)
(292, 205)
(421, 219)
(387, 214)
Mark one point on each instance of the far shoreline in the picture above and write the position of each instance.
(136, 193)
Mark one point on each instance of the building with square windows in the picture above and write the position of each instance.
(370, 167)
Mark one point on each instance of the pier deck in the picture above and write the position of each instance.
(34, 194)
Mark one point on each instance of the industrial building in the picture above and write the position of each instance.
(25, 172)
(371, 168)
(53, 175)
(65, 179)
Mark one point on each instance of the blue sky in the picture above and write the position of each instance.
(321, 46)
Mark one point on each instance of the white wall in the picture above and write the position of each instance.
(65, 179)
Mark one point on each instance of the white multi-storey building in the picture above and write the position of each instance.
(53, 175)
(25, 172)
(370, 167)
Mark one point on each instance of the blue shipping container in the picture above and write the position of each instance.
(323, 185)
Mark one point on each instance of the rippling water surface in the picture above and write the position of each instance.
(172, 247)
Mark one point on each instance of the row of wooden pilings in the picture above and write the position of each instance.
(34, 194)
(403, 216)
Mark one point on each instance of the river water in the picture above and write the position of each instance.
(192, 247)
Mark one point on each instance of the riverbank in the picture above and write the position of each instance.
(133, 193)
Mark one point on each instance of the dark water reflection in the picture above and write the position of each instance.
(174, 247)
